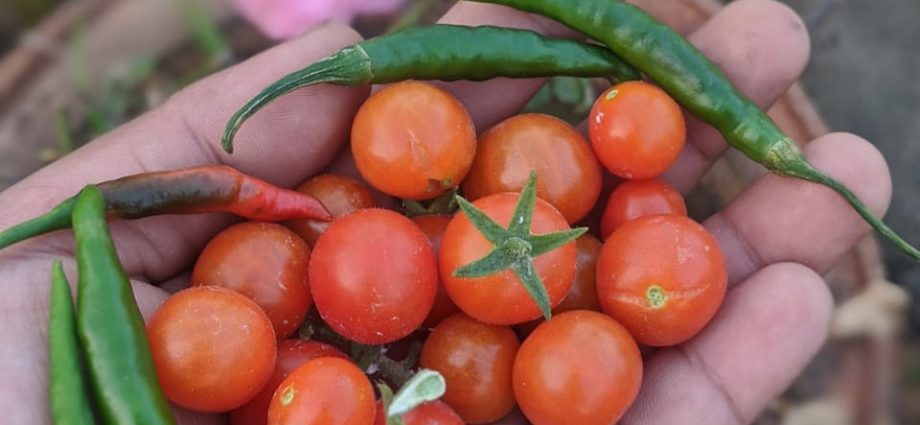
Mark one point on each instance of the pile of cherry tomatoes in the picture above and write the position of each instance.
(378, 278)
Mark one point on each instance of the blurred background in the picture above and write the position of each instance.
(71, 70)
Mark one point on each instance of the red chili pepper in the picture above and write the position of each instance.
(205, 189)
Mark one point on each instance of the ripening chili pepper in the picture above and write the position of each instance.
(203, 189)
(448, 53)
(698, 84)
(110, 327)
(67, 390)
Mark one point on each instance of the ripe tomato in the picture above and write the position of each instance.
(663, 277)
(637, 130)
(580, 367)
(213, 348)
(374, 276)
(475, 360)
(431, 413)
(339, 194)
(568, 175)
(291, 354)
(323, 391)
(501, 298)
(265, 262)
(433, 226)
(413, 140)
(638, 198)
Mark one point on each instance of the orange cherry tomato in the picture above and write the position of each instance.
(413, 140)
(661, 276)
(475, 360)
(213, 348)
(291, 354)
(568, 175)
(637, 130)
(501, 298)
(339, 194)
(638, 198)
(580, 367)
(433, 226)
(264, 261)
(431, 413)
(323, 391)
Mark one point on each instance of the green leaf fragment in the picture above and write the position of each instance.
(427, 385)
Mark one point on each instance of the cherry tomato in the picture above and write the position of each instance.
(431, 413)
(323, 391)
(339, 194)
(568, 175)
(580, 367)
(501, 298)
(291, 354)
(582, 294)
(638, 198)
(475, 360)
(663, 277)
(637, 130)
(213, 348)
(267, 263)
(433, 226)
(413, 140)
(374, 276)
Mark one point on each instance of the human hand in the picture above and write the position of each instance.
(777, 236)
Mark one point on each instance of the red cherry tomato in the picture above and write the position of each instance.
(213, 348)
(475, 360)
(339, 194)
(374, 276)
(580, 367)
(431, 413)
(638, 198)
(265, 262)
(568, 175)
(433, 226)
(501, 298)
(413, 140)
(323, 391)
(663, 277)
(291, 354)
(637, 130)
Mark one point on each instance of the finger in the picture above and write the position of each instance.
(765, 334)
(784, 219)
(762, 46)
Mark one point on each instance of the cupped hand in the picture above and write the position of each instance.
(778, 236)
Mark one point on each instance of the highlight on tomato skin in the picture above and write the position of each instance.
(323, 391)
(663, 277)
(632, 199)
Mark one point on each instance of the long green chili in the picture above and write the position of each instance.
(67, 390)
(110, 327)
(448, 53)
(698, 84)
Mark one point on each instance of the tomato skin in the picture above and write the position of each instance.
(580, 367)
(638, 198)
(475, 359)
(374, 276)
(413, 140)
(501, 298)
(433, 226)
(568, 174)
(291, 354)
(339, 194)
(672, 255)
(323, 391)
(431, 413)
(637, 130)
(213, 348)
(265, 262)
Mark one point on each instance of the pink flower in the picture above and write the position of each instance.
(284, 19)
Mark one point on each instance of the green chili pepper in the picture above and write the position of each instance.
(68, 390)
(110, 326)
(698, 84)
(448, 53)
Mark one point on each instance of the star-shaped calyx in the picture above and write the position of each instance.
(515, 247)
